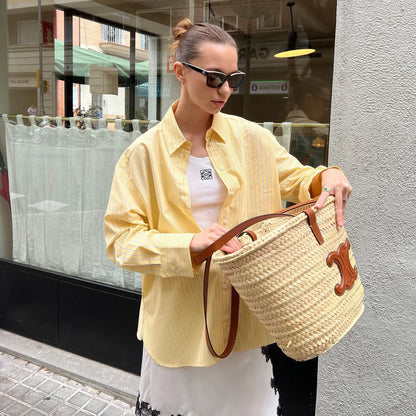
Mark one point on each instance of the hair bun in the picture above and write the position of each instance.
(187, 38)
(181, 28)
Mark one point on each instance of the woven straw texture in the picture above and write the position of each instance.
(285, 280)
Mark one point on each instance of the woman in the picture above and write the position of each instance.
(178, 188)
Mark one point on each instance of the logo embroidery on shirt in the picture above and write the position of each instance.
(206, 174)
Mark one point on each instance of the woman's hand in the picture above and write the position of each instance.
(334, 182)
(206, 237)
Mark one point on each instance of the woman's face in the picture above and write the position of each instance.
(212, 57)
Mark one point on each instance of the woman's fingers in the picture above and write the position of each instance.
(335, 183)
(206, 237)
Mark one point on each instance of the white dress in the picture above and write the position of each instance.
(238, 385)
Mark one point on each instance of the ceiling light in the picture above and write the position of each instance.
(292, 51)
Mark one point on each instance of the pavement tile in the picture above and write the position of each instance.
(74, 384)
(45, 372)
(36, 391)
(58, 377)
(49, 386)
(32, 397)
(19, 362)
(5, 401)
(8, 369)
(34, 412)
(34, 380)
(32, 367)
(95, 406)
(64, 410)
(16, 409)
(91, 390)
(18, 391)
(79, 399)
(20, 374)
(47, 404)
(105, 397)
(112, 411)
(5, 364)
(6, 384)
(63, 393)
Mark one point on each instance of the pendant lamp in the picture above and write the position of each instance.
(292, 51)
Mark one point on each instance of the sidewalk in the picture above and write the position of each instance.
(36, 379)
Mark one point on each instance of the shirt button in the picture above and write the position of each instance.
(224, 284)
(225, 222)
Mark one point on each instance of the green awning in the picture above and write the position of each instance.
(83, 58)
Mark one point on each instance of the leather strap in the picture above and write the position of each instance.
(235, 307)
(207, 253)
(310, 213)
(217, 244)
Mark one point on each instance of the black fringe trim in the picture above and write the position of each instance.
(144, 409)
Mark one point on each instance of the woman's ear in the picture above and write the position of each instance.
(178, 70)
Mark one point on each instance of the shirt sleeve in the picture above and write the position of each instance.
(132, 243)
(294, 178)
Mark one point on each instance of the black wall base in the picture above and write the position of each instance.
(88, 319)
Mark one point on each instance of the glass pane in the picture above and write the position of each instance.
(110, 61)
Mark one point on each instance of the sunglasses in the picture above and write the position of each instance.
(217, 79)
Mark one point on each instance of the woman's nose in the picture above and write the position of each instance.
(225, 88)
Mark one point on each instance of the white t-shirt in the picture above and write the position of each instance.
(207, 191)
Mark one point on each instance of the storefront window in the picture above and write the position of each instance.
(88, 80)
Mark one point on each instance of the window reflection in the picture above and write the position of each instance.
(110, 60)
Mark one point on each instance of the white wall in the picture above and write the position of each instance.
(113, 105)
(373, 137)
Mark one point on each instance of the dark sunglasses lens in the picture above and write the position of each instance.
(215, 80)
(235, 80)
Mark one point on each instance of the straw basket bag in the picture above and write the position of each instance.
(298, 276)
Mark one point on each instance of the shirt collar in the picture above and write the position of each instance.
(172, 133)
(219, 127)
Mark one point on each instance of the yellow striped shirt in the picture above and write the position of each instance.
(149, 227)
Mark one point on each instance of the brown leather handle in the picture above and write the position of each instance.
(235, 299)
(217, 244)
(235, 307)
(310, 213)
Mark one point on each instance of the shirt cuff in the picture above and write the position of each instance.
(315, 188)
(176, 256)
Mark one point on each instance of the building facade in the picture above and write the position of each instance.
(82, 79)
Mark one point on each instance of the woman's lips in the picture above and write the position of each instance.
(218, 103)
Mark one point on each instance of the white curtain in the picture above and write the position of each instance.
(60, 180)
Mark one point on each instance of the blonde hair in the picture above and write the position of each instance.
(188, 37)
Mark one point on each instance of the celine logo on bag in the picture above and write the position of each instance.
(348, 274)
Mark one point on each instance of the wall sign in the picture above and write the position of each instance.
(269, 87)
(22, 81)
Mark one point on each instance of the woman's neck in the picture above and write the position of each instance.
(194, 124)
